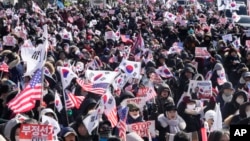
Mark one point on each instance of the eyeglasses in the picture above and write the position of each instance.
(134, 110)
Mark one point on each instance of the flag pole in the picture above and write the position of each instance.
(43, 59)
(66, 110)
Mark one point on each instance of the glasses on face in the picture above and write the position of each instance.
(134, 110)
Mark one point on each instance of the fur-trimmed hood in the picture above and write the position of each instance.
(14, 58)
(50, 67)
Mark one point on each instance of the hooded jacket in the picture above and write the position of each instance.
(9, 129)
(231, 107)
(242, 113)
(48, 110)
(16, 69)
(84, 107)
(162, 101)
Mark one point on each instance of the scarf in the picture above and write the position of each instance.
(173, 125)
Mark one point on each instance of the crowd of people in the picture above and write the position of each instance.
(163, 37)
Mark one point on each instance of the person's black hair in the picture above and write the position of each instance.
(181, 136)
(216, 135)
(114, 139)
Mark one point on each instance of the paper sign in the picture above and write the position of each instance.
(157, 23)
(94, 22)
(111, 12)
(103, 14)
(139, 101)
(142, 92)
(227, 37)
(110, 35)
(143, 129)
(22, 11)
(36, 132)
(175, 49)
(201, 52)
(9, 41)
(203, 89)
(203, 20)
(97, 32)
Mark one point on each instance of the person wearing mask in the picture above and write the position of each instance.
(164, 96)
(191, 111)
(244, 82)
(226, 94)
(134, 114)
(244, 112)
(218, 75)
(12, 127)
(232, 107)
(170, 121)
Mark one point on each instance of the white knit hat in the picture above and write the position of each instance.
(210, 114)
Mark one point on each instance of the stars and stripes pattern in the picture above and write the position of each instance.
(98, 88)
(25, 100)
(4, 67)
(122, 126)
(110, 108)
(72, 101)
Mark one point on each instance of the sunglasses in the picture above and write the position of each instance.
(134, 110)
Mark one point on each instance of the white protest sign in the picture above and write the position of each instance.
(203, 20)
(227, 37)
(111, 12)
(143, 129)
(201, 52)
(9, 41)
(203, 89)
(139, 101)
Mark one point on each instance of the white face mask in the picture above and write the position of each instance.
(227, 98)
(240, 100)
(191, 106)
(248, 113)
(135, 117)
(17, 138)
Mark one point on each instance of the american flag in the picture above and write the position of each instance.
(110, 108)
(4, 67)
(138, 44)
(73, 101)
(25, 100)
(151, 93)
(122, 126)
(98, 88)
